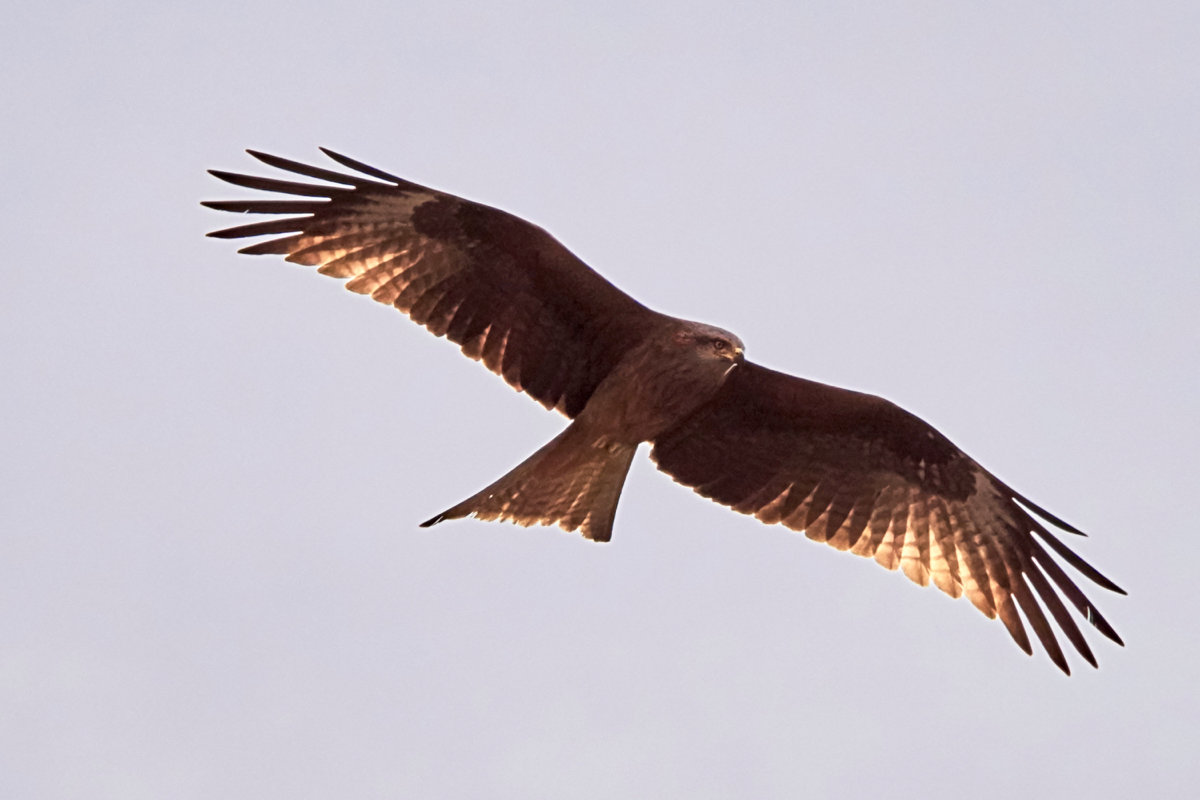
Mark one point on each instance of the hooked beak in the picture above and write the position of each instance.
(737, 360)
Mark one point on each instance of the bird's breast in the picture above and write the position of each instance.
(651, 391)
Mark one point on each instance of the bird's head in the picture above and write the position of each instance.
(711, 344)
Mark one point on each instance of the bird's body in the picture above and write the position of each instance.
(576, 479)
(663, 379)
(846, 468)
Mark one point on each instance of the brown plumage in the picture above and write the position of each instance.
(845, 468)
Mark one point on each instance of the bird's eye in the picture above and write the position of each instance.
(720, 345)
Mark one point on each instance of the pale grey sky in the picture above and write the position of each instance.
(211, 579)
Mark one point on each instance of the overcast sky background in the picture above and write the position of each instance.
(211, 579)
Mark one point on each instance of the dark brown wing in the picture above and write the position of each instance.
(866, 476)
(500, 287)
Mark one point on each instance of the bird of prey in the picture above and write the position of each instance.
(846, 468)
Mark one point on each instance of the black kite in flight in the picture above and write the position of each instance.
(845, 468)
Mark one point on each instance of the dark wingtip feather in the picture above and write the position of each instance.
(271, 226)
(265, 206)
(264, 157)
(1075, 560)
(1092, 615)
(226, 175)
(366, 169)
(309, 171)
(1053, 603)
(1037, 619)
(1057, 522)
(282, 187)
(434, 520)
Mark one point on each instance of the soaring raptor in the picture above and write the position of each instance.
(849, 469)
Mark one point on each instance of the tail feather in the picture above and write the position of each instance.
(574, 481)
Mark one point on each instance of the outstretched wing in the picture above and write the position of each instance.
(501, 287)
(866, 476)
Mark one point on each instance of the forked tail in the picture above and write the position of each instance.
(574, 481)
